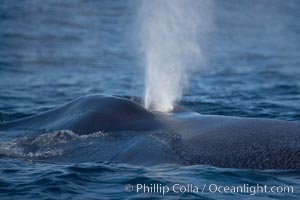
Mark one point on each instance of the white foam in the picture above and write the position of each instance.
(45, 145)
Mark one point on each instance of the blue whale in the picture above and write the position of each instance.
(181, 137)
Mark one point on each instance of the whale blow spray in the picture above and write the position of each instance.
(169, 34)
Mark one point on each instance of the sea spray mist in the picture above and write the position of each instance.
(169, 33)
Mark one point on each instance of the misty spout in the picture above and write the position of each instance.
(169, 32)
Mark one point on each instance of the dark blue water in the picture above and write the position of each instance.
(52, 52)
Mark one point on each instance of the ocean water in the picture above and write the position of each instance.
(54, 51)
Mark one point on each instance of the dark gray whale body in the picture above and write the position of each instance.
(182, 137)
(90, 114)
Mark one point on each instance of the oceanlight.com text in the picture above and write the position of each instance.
(210, 188)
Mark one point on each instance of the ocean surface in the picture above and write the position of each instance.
(54, 51)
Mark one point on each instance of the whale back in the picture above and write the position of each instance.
(139, 136)
(234, 142)
(90, 114)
